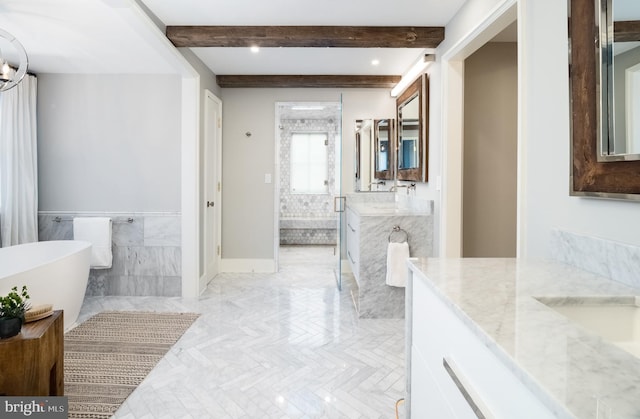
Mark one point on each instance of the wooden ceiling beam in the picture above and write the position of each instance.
(339, 81)
(306, 36)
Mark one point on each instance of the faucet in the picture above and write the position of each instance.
(378, 182)
(409, 187)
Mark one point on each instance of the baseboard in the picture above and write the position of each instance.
(202, 284)
(248, 265)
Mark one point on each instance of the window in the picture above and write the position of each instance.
(309, 169)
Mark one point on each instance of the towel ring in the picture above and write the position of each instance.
(400, 232)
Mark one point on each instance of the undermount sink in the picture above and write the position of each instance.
(615, 319)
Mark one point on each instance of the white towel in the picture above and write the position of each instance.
(397, 255)
(97, 231)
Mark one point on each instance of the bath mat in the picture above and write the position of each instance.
(108, 356)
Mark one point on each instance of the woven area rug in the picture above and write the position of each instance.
(108, 356)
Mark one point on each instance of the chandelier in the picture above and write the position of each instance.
(9, 77)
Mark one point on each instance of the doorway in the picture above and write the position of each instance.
(500, 23)
(490, 148)
(308, 161)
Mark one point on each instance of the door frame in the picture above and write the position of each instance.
(276, 175)
(212, 100)
(453, 127)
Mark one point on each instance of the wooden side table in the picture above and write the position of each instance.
(32, 362)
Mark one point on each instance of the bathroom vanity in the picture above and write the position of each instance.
(368, 227)
(485, 335)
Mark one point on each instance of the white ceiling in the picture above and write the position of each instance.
(112, 36)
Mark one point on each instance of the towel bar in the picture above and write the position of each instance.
(397, 229)
(60, 219)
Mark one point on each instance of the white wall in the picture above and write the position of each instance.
(109, 142)
(248, 203)
(544, 140)
(546, 105)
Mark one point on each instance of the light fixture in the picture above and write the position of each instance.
(413, 72)
(375, 62)
(255, 49)
(8, 77)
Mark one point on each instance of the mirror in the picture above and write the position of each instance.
(620, 80)
(597, 171)
(364, 142)
(384, 133)
(411, 149)
(408, 146)
(374, 145)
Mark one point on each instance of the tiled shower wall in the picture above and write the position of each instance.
(307, 206)
(147, 253)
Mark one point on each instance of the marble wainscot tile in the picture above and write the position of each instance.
(118, 265)
(50, 229)
(139, 271)
(147, 257)
(97, 283)
(162, 230)
(127, 233)
(615, 260)
(149, 285)
(101, 280)
(161, 261)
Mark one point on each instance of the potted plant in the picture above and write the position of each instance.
(12, 309)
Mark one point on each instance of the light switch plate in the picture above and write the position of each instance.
(267, 178)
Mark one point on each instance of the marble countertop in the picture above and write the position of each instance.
(574, 372)
(389, 208)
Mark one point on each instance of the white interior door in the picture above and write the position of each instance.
(212, 186)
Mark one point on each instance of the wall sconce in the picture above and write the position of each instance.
(413, 72)
(8, 77)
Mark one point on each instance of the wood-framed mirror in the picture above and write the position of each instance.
(592, 175)
(412, 142)
(362, 162)
(374, 156)
(384, 134)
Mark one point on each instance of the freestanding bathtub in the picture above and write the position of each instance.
(55, 272)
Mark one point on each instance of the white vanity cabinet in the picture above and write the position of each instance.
(451, 373)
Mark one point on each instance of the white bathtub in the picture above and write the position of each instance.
(55, 272)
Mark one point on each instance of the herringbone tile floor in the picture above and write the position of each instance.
(284, 345)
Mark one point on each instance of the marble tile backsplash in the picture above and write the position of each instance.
(615, 260)
(147, 253)
(369, 197)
